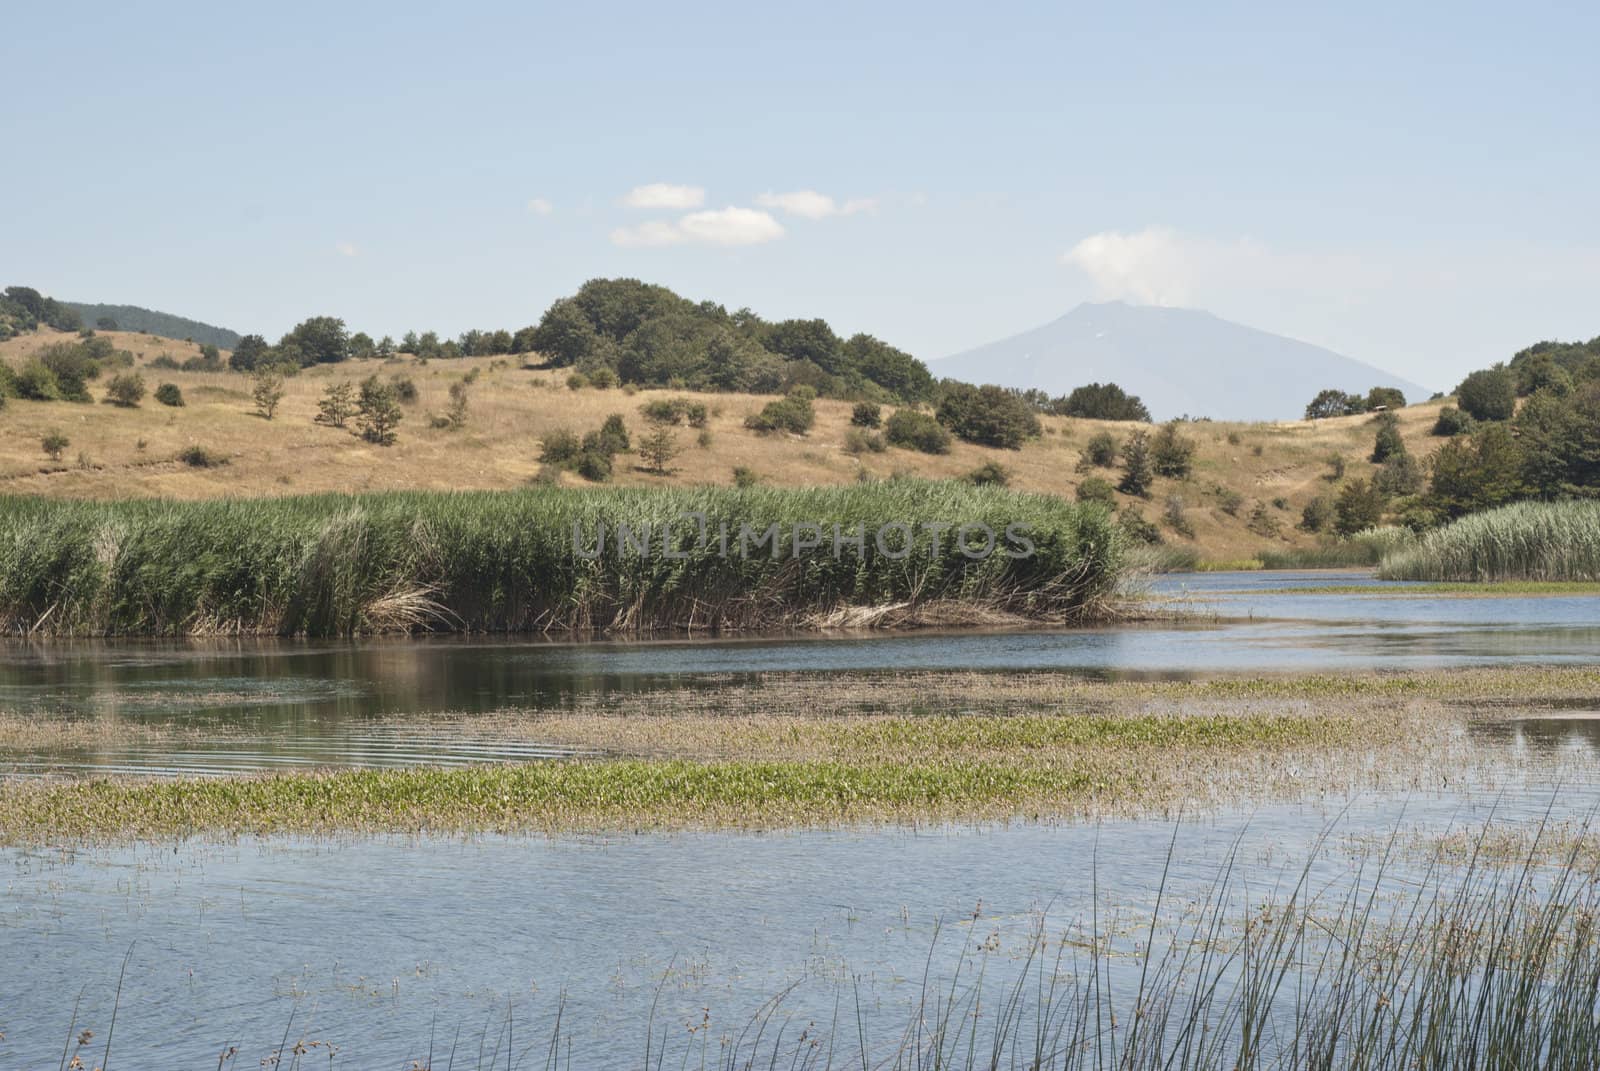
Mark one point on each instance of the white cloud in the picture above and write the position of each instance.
(813, 205)
(540, 207)
(665, 195)
(724, 226)
(346, 249)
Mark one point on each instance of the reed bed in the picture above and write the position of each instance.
(1552, 541)
(338, 565)
(1366, 547)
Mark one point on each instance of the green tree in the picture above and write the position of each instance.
(169, 394)
(251, 353)
(658, 448)
(1477, 472)
(912, 430)
(1489, 394)
(338, 404)
(1359, 506)
(565, 335)
(1101, 401)
(1385, 398)
(125, 390)
(54, 444)
(1101, 450)
(1137, 471)
(318, 340)
(1388, 442)
(986, 415)
(1171, 454)
(378, 411)
(267, 391)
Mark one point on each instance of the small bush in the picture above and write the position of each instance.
(125, 390)
(378, 411)
(1095, 489)
(744, 477)
(54, 444)
(1262, 523)
(866, 415)
(1137, 527)
(1171, 454)
(1317, 515)
(34, 382)
(577, 381)
(917, 431)
(602, 378)
(861, 441)
(338, 404)
(989, 474)
(405, 389)
(792, 413)
(671, 411)
(198, 457)
(1229, 501)
(593, 466)
(1101, 450)
(170, 394)
(1173, 513)
(560, 446)
(1388, 442)
(1452, 421)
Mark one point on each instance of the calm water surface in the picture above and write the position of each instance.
(373, 944)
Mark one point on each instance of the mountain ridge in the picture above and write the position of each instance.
(1179, 361)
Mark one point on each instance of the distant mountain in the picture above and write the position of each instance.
(1179, 361)
(133, 318)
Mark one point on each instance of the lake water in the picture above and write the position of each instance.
(280, 704)
(377, 944)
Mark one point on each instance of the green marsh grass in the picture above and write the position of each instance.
(339, 565)
(1537, 541)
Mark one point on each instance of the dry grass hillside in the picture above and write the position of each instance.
(117, 453)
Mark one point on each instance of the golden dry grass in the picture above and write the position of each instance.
(118, 453)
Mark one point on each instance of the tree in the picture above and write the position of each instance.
(318, 340)
(1385, 398)
(659, 448)
(1489, 394)
(1333, 403)
(54, 443)
(792, 413)
(1388, 442)
(1477, 472)
(251, 353)
(866, 415)
(1102, 401)
(456, 414)
(378, 411)
(125, 390)
(806, 340)
(338, 404)
(1101, 450)
(987, 415)
(565, 335)
(1137, 473)
(1171, 454)
(105, 323)
(267, 392)
(1359, 507)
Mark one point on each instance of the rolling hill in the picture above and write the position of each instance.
(1179, 361)
(151, 322)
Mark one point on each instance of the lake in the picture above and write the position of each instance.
(377, 944)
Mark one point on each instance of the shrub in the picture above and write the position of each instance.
(405, 390)
(577, 381)
(671, 411)
(1229, 501)
(612, 438)
(1171, 454)
(1261, 522)
(1333, 403)
(169, 394)
(987, 415)
(1399, 475)
(198, 457)
(456, 415)
(792, 413)
(912, 430)
(125, 390)
(1336, 465)
(1101, 450)
(1489, 394)
(989, 474)
(602, 378)
(866, 415)
(1137, 527)
(1317, 515)
(1173, 513)
(54, 444)
(1452, 421)
(1137, 473)
(1386, 397)
(745, 477)
(37, 383)
(560, 446)
(861, 441)
(1095, 489)
(1101, 401)
(593, 466)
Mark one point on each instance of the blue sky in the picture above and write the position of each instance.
(1412, 185)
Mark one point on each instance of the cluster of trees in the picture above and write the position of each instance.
(22, 309)
(650, 336)
(1333, 402)
(62, 371)
(1092, 401)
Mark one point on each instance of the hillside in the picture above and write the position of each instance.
(117, 452)
(148, 321)
(1179, 361)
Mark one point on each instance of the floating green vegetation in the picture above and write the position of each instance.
(690, 558)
